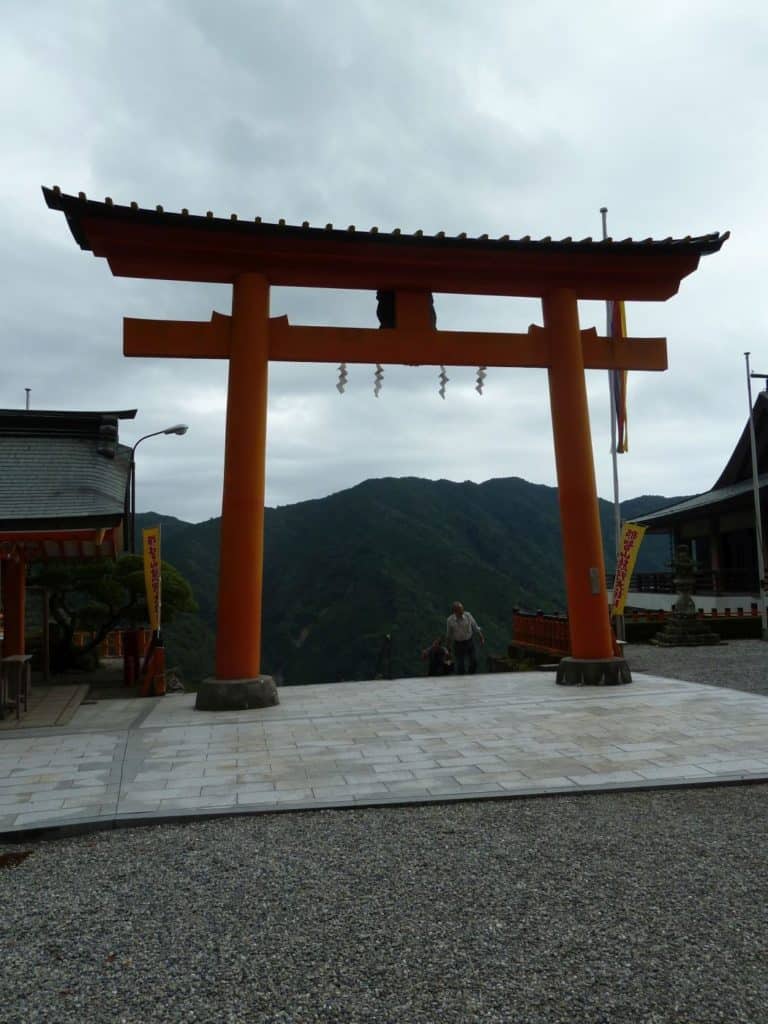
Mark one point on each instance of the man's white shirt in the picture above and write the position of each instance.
(461, 628)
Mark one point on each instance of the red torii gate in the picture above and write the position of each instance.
(252, 256)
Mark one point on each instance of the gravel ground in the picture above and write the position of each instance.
(643, 907)
(739, 665)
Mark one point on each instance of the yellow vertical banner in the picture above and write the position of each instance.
(152, 574)
(631, 538)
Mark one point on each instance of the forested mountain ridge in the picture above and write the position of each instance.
(387, 557)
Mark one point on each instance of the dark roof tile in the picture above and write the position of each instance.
(74, 206)
(663, 516)
(62, 466)
(43, 478)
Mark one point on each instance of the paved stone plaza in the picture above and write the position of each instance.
(381, 742)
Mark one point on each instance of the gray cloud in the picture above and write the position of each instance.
(494, 117)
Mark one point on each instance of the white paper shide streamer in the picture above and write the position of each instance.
(378, 379)
(443, 378)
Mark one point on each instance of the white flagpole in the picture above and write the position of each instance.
(619, 619)
(756, 496)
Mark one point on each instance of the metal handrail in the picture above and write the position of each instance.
(710, 581)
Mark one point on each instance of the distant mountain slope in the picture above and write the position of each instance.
(388, 557)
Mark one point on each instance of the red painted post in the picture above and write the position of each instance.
(590, 629)
(238, 634)
(14, 594)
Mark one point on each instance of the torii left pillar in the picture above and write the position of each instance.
(238, 683)
(14, 573)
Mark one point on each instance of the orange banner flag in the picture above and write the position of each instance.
(631, 538)
(152, 574)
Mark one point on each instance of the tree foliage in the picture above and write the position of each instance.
(97, 597)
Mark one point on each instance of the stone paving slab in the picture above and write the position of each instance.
(348, 744)
(48, 705)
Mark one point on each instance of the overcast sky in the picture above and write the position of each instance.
(500, 117)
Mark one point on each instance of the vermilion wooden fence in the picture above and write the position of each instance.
(548, 634)
(112, 647)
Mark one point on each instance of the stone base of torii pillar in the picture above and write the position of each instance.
(236, 694)
(593, 672)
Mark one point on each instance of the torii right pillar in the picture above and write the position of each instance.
(592, 658)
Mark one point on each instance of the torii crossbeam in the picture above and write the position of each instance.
(253, 256)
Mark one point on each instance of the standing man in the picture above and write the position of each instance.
(460, 630)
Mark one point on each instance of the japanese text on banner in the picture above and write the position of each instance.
(152, 578)
(631, 538)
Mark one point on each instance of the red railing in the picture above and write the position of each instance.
(546, 633)
(112, 647)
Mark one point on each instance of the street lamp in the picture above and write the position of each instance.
(758, 513)
(130, 497)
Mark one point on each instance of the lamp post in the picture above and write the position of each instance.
(758, 513)
(131, 654)
(130, 496)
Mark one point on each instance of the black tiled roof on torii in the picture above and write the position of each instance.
(74, 207)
